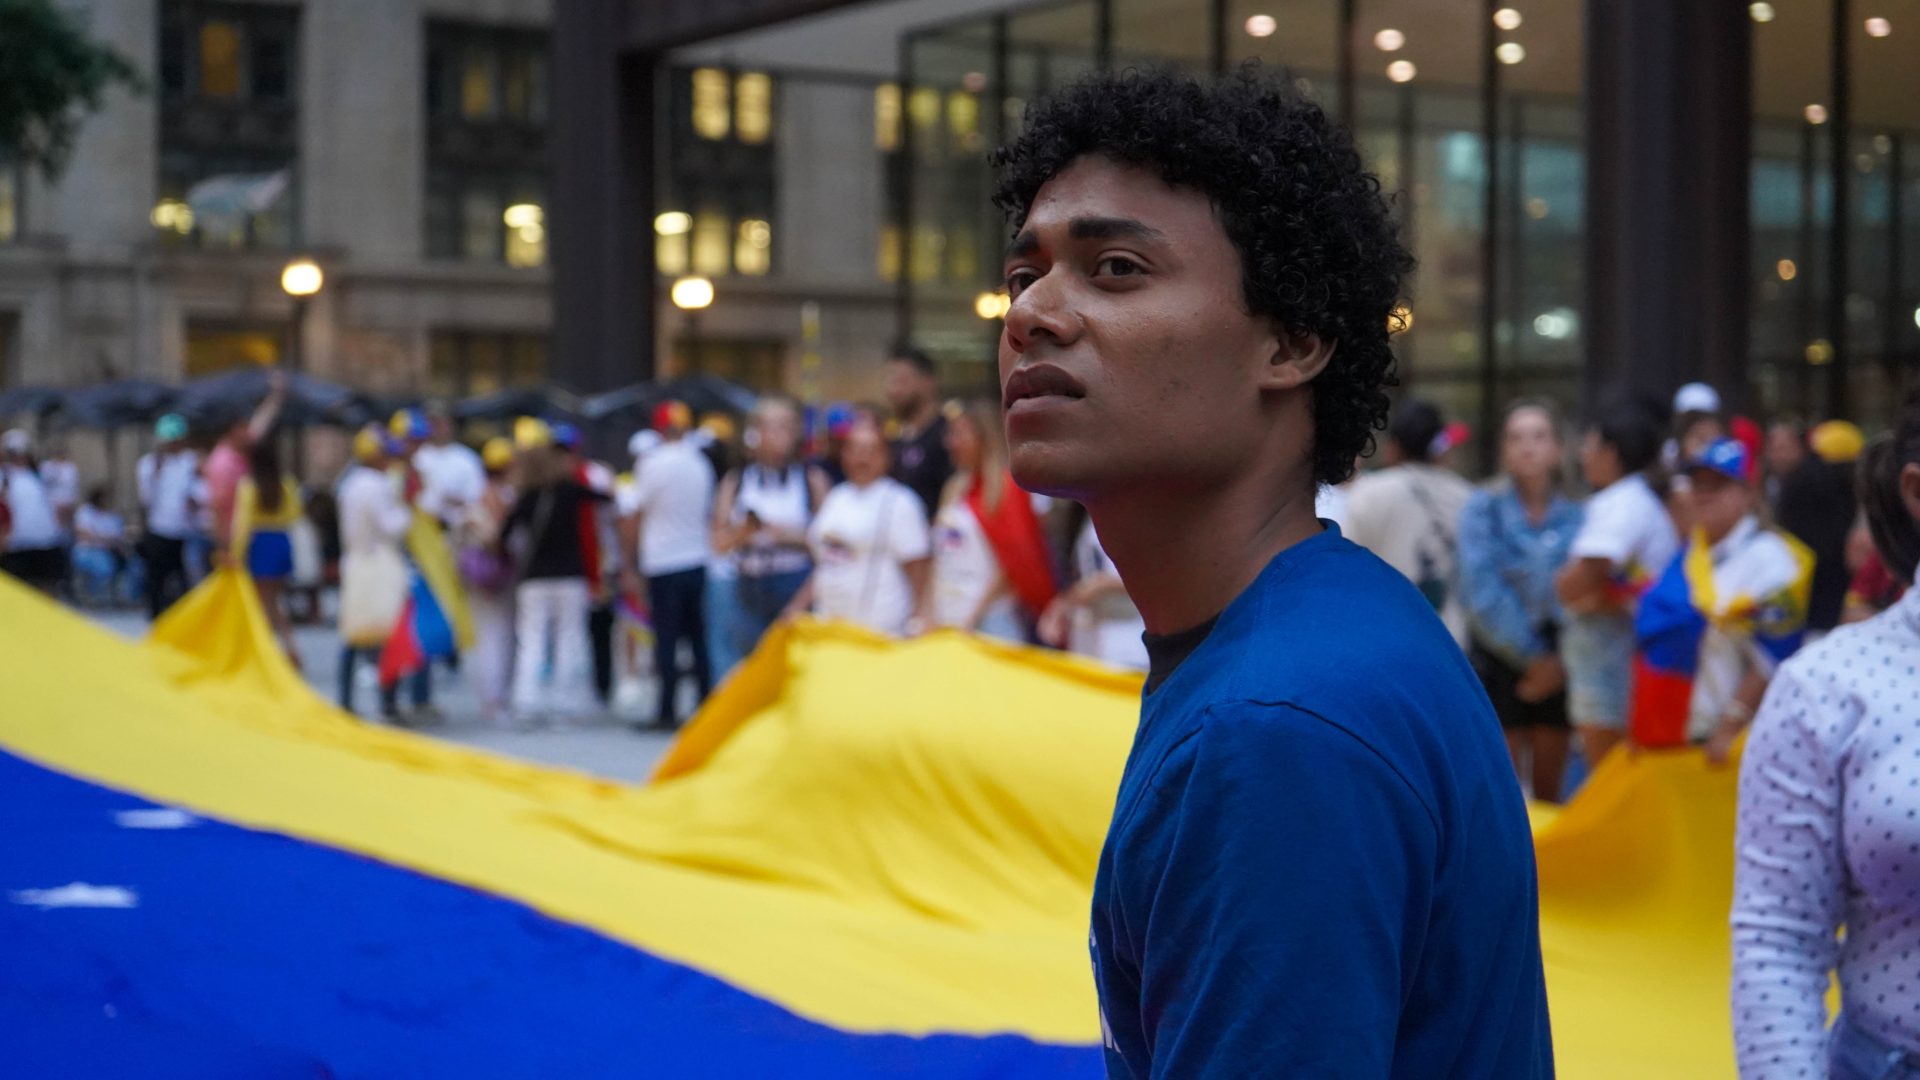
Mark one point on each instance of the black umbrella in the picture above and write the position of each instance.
(219, 400)
(710, 393)
(37, 400)
(546, 402)
(638, 398)
(119, 403)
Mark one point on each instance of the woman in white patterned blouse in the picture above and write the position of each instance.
(1829, 833)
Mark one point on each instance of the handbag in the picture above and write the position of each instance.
(485, 569)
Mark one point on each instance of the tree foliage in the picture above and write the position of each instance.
(51, 75)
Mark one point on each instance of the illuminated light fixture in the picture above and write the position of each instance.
(1537, 209)
(692, 293)
(1761, 12)
(1507, 19)
(1556, 325)
(302, 278)
(1916, 316)
(1786, 269)
(974, 82)
(1819, 351)
(172, 215)
(1400, 320)
(1510, 52)
(1882, 144)
(523, 216)
(1402, 71)
(992, 305)
(1878, 27)
(1816, 113)
(1261, 25)
(1389, 40)
(673, 223)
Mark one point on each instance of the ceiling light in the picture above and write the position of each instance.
(1761, 12)
(1389, 40)
(1511, 52)
(1261, 25)
(1816, 113)
(1507, 19)
(1402, 71)
(1878, 27)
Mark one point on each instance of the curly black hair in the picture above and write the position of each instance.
(1319, 248)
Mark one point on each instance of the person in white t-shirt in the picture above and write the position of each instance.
(760, 529)
(971, 589)
(1625, 543)
(62, 478)
(99, 548)
(31, 549)
(1409, 512)
(870, 544)
(452, 476)
(665, 534)
(1095, 616)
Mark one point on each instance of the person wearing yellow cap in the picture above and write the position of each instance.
(373, 573)
(1817, 505)
(488, 576)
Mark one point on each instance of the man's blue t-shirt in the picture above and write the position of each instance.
(1320, 864)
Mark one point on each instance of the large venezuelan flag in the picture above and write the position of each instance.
(862, 859)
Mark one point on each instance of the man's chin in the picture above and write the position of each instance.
(1050, 469)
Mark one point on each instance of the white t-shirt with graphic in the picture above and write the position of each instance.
(965, 568)
(860, 538)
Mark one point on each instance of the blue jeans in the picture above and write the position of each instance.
(1853, 1054)
(679, 604)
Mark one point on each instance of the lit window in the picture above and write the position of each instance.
(477, 86)
(169, 215)
(887, 258)
(753, 107)
(928, 250)
(753, 247)
(963, 119)
(526, 235)
(9, 203)
(710, 243)
(924, 107)
(670, 253)
(710, 120)
(886, 117)
(219, 59)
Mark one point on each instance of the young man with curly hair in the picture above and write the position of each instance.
(1319, 862)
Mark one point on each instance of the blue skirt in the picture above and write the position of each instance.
(270, 556)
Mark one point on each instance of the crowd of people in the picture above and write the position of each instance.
(1652, 610)
(899, 518)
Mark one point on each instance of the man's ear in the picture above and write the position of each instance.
(1910, 489)
(1296, 360)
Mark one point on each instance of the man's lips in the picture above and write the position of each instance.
(1040, 381)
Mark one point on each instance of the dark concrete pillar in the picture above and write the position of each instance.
(602, 202)
(1668, 154)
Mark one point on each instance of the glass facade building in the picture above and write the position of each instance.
(1474, 116)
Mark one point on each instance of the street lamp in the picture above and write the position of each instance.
(692, 295)
(300, 279)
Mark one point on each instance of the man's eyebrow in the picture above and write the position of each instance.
(1089, 228)
(1111, 228)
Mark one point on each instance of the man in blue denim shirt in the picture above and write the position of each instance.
(1514, 537)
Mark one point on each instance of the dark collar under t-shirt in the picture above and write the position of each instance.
(1166, 652)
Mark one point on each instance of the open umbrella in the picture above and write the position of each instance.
(119, 403)
(218, 400)
(545, 401)
(33, 400)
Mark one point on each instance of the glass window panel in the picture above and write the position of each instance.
(480, 224)
(9, 202)
(710, 242)
(444, 366)
(670, 254)
(1172, 32)
(963, 122)
(753, 247)
(710, 105)
(478, 84)
(753, 107)
(517, 85)
(537, 87)
(527, 359)
(272, 65)
(526, 227)
(219, 59)
(486, 362)
(887, 258)
(213, 349)
(173, 56)
(886, 117)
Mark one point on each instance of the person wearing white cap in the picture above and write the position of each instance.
(31, 550)
(1696, 397)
